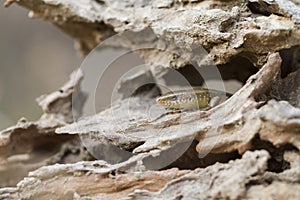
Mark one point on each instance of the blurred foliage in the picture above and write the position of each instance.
(35, 58)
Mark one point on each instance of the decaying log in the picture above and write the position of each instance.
(228, 127)
(224, 28)
(245, 148)
(30, 145)
(247, 177)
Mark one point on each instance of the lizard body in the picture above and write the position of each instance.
(198, 98)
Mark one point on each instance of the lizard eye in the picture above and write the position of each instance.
(174, 98)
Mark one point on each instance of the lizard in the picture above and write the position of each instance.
(197, 98)
(183, 100)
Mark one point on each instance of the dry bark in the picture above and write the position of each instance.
(30, 145)
(264, 114)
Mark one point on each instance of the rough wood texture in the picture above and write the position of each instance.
(255, 133)
(29, 145)
(246, 177)
(238, 121)
(77, 183)
(224, 28)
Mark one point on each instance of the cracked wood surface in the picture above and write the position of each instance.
(235, 122)
(30, 145)
(247, 178)
(224, 29)
(263, 114)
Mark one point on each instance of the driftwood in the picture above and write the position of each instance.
(245, 148)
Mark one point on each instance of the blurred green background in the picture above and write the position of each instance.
(35, 58)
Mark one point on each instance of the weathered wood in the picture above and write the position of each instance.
(263, 114)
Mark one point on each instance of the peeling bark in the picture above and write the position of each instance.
(30, 145)
(224, 28)
(255, 133)
(239, 120)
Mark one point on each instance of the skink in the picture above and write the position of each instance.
(198, 98)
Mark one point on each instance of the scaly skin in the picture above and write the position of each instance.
(198, 98)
